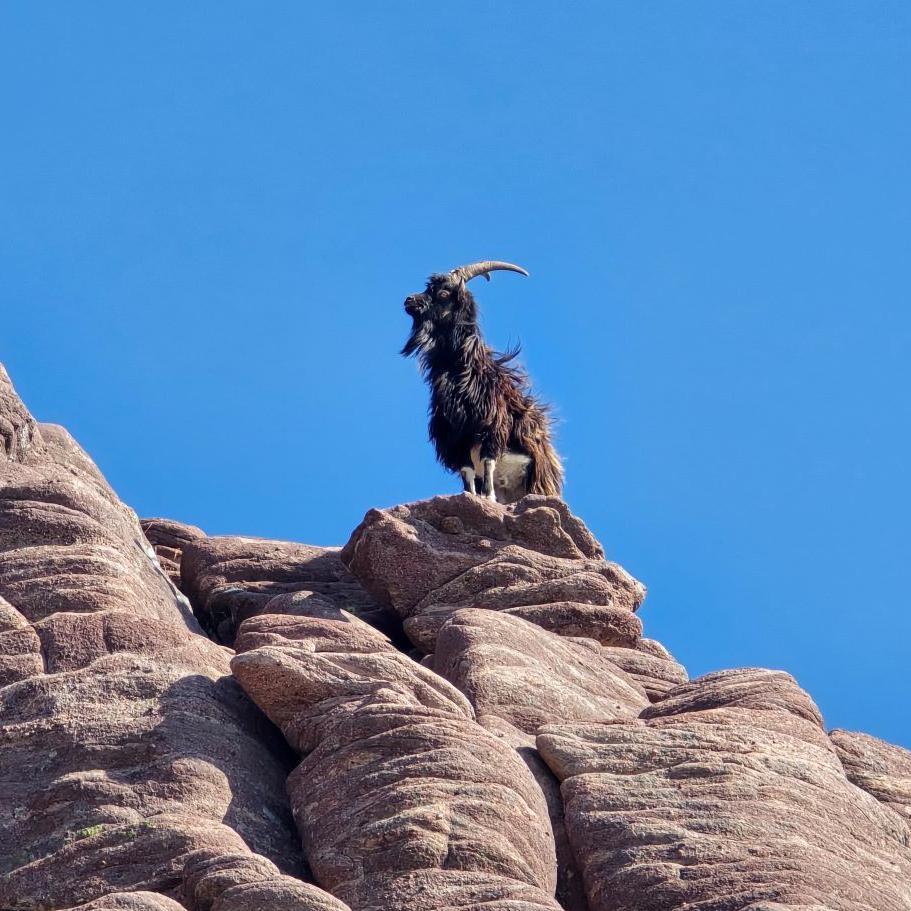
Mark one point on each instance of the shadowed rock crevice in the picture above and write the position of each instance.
(169, 538)
(229, 579)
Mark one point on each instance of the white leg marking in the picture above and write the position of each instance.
(468, 478)
(489, 467)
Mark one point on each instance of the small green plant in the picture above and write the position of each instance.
(87, 832)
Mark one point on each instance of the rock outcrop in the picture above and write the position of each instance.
(229, 579)
(456, 710)
(125, 744)
(651, 665)
(169, 538)
(726, 793)
(426, 560)
(879, 768)
(130, 901)
(529, 676)
(214, 881)
(439, 813)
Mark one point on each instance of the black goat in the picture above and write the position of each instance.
(483, 418)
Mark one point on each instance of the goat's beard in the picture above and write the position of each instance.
(420, 340)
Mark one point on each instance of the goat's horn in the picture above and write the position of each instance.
(485, 267)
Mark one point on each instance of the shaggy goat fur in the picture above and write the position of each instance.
(481, 408)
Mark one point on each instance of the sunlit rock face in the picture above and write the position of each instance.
(402, 798)
(426, 560)
(457, 709)
(125, 744)
(725, 793)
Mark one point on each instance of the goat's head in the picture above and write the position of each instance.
(445, 304)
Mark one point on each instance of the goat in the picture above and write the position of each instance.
(483, 418)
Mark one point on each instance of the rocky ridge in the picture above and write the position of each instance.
(457, 709)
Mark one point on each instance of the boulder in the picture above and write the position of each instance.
(881, 769)
(726, 794)
(402, 800)
(528, 676)
(229, 579)
(426, 560)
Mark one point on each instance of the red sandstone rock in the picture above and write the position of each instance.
(18, 432)
(570, 891)
(69, 641)
(727, 795)
(67, 543)
(247, 882)
(604, 623)
(229, 579)
(656, 675)
(130, 901)
(283, 893)
(428, 559)
(20, 647)
(529, 676)
(134, 772)
(124, 743)
(169, 539)
(880, 768)
(109, 749)
(439, 813)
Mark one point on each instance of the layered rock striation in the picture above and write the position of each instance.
(125, 744)
(401, 797)
(725, 793)
(457, 709)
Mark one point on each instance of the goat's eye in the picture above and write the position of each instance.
(444, 295)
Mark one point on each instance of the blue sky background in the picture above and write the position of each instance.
(210, 217)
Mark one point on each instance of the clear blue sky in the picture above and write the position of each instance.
(211, 214)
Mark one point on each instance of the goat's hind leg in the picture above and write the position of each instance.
(468, 479)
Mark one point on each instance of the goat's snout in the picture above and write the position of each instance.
(414, 304)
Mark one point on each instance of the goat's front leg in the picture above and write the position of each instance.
(489, 467)
(468, 477)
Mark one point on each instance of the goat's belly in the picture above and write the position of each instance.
(510, 479)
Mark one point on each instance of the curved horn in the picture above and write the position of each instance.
(485, 267)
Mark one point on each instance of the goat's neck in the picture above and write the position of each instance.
(457, 354)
